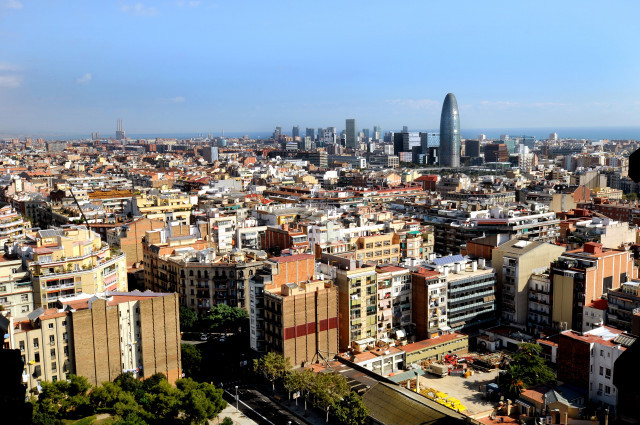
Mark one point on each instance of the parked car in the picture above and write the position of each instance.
(204, 337)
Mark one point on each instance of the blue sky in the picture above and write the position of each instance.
(199, 66)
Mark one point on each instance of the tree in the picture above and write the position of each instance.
(272, 366)
(328, 389)
(351, 410)
(188, 319)
(225, 318)
(527, 369)
(199, 401)
(630, 196)
(227, 421)
(106, 395)
(301, 382)
(191, 360)
(68, 399)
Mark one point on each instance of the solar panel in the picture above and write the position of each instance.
(448, 260)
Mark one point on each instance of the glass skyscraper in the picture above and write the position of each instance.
(450, 132)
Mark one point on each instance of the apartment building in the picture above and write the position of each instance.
(539, 307)
(16, 289)
(301, 321)
(429, 295)
(166, 206)
(377, 249)
(176, 259)
(100, 336)
(587, 361)
(471, 291)
(515, 261)
(278, 239)
(12, 225)
(622, 304)
(68, 261)
(128, 238)
(275, 273)
(394, 302)
(357, 295)
(581, 276)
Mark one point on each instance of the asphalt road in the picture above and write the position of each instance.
(265, 411)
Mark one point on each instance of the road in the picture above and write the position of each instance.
(265, 411)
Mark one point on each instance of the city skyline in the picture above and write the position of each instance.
(517, 66)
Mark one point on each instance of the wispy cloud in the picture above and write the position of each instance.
(498, 103)
(192, 3)
(10, 81)
(7, 67)
(85, 79)
(415, 103)
(179, 99)
(13, 4)
(140, 9)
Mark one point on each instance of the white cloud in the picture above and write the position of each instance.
(13, 4)
(11, 81)
(85, 79)
(179, 99)
(192, 3)
(415, 103)
(140, 9)
(499, 103)
(7, 67)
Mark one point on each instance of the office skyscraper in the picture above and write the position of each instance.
(295, 132)
(377, 133)
(309, 133)
(450, 132)
(351, 139)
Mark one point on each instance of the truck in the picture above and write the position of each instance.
(438, 369)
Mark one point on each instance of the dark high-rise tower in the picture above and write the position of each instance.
(450, 132)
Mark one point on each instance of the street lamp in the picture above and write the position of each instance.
(237, 399)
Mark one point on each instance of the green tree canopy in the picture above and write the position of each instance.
(188, 319)
(199, 401)
(527, 369)
(272, 366)
(351, 410)
(191, 360)
(224, 318)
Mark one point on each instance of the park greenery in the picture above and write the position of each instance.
(327, 391)
(528, 368)
(129, 400)
(220, 318)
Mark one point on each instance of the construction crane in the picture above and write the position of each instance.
(78, 204)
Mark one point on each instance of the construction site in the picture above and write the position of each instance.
(466, 384)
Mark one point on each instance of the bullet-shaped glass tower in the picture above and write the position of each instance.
(450, 133)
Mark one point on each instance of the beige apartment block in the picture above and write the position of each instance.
(172, 206)
(378, 249)
(16, 290)
(68, 261)
(301, 321)
(99, 337)
(515, 262)
(358, 290)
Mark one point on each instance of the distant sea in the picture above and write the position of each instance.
(589, 133)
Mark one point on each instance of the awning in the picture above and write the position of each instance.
(525, 403)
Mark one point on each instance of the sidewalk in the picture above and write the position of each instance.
(238, 417)
(314, 416)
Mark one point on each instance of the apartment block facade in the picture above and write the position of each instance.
(302, 321)
(65, 262)
(99, 337)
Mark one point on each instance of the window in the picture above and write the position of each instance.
(35, 343)
(66, 350)
(54, 367)
(54, 378)
(50, 325)
(52, 339)
(64, 323)
(24, 297)
(53, 353)
(25, 309)
(601, 370)
(607, 390)
(608, 373)
(601, 355)
(21, 345)
(36, 357)
(65, 337)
